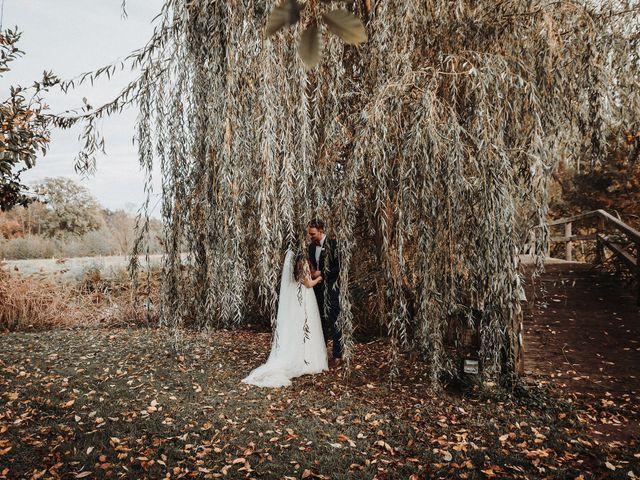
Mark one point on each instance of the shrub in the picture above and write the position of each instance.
(31, 246)
(91, 244)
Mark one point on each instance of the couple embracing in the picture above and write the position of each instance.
(308, 309)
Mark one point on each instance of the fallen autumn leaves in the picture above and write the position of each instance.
(118, 404)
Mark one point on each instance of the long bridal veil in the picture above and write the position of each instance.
(297, 347)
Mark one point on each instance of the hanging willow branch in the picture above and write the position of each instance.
(427, 150)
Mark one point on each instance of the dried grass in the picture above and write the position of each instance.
(31, 303)
(39, 302)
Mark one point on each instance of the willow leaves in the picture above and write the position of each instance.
(428, 151)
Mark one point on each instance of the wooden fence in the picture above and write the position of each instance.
(610, 233)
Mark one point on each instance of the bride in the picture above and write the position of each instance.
(298, 346)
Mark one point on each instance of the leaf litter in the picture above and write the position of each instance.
(118, 403)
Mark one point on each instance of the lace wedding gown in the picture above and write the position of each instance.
(296, 349)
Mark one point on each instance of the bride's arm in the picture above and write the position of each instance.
(308, 281)
(314, 273)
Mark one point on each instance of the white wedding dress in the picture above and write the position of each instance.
(292, 352)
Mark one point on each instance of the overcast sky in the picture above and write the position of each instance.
(71, 37)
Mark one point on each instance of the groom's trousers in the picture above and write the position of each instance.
(329, 311)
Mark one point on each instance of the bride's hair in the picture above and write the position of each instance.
(299, 258)
(299, 261)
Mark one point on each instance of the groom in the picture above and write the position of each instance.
(323, 256)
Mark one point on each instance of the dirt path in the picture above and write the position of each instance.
(583, 335)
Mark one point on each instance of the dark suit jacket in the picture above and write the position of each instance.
(329, 264)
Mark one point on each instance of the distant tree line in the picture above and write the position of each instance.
(65, 220)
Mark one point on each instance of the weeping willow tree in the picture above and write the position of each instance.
(427, 150)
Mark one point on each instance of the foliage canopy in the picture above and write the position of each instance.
(71, 209)
(24, 126)
(427, 150)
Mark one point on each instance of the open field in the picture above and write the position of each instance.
(73, 269)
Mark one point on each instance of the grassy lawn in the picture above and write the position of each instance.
(119, 404)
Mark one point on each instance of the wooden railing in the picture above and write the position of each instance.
(627, 252)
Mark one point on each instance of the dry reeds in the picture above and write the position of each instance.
(39, 302)
(32, 303)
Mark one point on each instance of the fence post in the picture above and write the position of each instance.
(568, 245)
(638, 270)
(599, 246)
